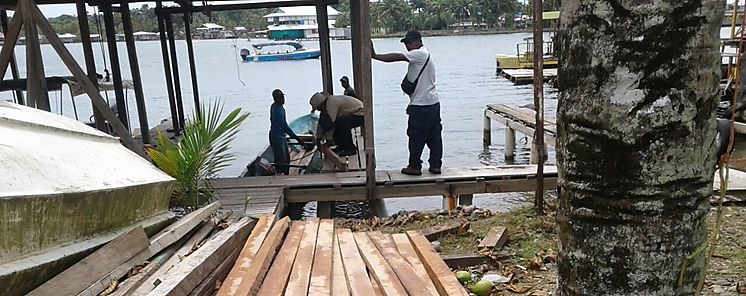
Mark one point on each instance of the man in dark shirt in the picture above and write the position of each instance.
(349, 91)
(278, 131)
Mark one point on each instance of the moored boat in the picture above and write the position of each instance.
(278, 51)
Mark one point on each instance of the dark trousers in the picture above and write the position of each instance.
(424, 128)
(343, 130)
(281, 154)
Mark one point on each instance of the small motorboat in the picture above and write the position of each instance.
(262, 164)
(278, 51)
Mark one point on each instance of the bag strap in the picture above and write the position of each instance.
(423, 68)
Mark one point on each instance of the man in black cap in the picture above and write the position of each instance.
(349, 91)
(423, 126)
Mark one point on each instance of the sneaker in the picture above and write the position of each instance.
(411, 171)
(434, 171)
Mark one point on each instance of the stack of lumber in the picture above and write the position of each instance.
(313, 258)
(189, 251)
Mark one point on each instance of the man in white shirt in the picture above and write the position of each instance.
(423, 127)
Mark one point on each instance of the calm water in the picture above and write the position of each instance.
(466, 80)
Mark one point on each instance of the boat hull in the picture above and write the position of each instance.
(300, 55)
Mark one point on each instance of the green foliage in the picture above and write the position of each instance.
(201, 153)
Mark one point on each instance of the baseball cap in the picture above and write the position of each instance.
(411, 36)
(345, 79)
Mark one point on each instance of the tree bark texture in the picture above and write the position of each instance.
(638, 86)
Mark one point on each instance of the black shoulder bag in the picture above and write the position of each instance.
(407, 86)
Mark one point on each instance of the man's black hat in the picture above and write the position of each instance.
(411, 36)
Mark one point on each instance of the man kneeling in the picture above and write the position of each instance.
(339, 115)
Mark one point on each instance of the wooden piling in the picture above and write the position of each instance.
(129, 39)
(13, 62)
(6, 51)
(116, 71)
(90, 62)
(322, 19)
(192, 64)
(487, 131)
(509, 143)
(175, 69)
(167, 66)
(36, 82)
(539, 103)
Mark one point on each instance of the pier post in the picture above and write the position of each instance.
(129, 39)
(509, 143)
(13, 62)
(36, 82)
(116, 72)
(487, 132)
(192, 64)
(449, 202)
(322, 20)
(175, 69)
(167, 66)
(90, 62)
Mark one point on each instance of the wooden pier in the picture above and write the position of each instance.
(519, 119)
(526, 76)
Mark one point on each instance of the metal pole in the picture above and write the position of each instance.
(36, 82)
(90, 62)
(129, 38)
(175, 70)
(322, 19)
(192, 64)
(539, 104)
(116, 71)
(167, 66)
(13, 62)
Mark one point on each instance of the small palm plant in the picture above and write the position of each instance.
(201, 153)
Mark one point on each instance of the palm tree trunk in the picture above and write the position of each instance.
(639, 90)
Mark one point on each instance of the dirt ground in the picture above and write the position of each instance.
(532, 245)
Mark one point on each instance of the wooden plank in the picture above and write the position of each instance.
(376, 287)
(379, 268)
(277, 277)
(300, 276)
(468, 260)
(339, 163)
(321, 272)
(354, 266)
(408, 253)
(209, 286)
(438, 231)
(188, 274)
(259, 266)
(494, 240)
(94, 266)
(135, 281)
(439, 273)
(245, 260)
(340, 286)
(404, 271)
(150, 282)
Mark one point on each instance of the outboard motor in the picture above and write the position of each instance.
(244, 53)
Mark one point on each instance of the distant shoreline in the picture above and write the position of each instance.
(438, 33)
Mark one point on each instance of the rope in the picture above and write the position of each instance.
(238, 68)
(100, 35)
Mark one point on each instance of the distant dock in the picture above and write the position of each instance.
(526, 76)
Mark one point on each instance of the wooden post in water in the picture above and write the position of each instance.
(13, 62)
(509, 143)
(539, 104)
(36, 82)
(192, 64)
(322, 20)
(167, 66)
(116, 71)
(129, 39)
(361, 47)
(487, 131)
(90, 62)
(175, 69)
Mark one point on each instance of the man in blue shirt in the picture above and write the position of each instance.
(278, 131)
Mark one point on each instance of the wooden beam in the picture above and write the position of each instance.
(167, 68)
(379, 268)
(90, 61)
(338, 162)
(36, 82)
(208, 286)
(13, 63)
(259, 266)
(438, 231)
(129, 38)
(469, 260)
(340, 285)
(192, 64)
(246, 6)
(439, 273)
(300, 276)
(153, 264)
(116, 70)
(404, 271)
(404, 246)
(175, 70)
(81, 77)
(245, 260)
(322, 19)
(277, 278)
(354, 266)
(494, 240)
(321, 272)
(188, 274)
(92, 267)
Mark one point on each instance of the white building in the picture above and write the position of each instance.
(211, 31)
(300, 23)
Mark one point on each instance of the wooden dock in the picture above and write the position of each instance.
(516, 118)
(314, 258)
(526, 76)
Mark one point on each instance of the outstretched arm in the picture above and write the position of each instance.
(387, 57)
